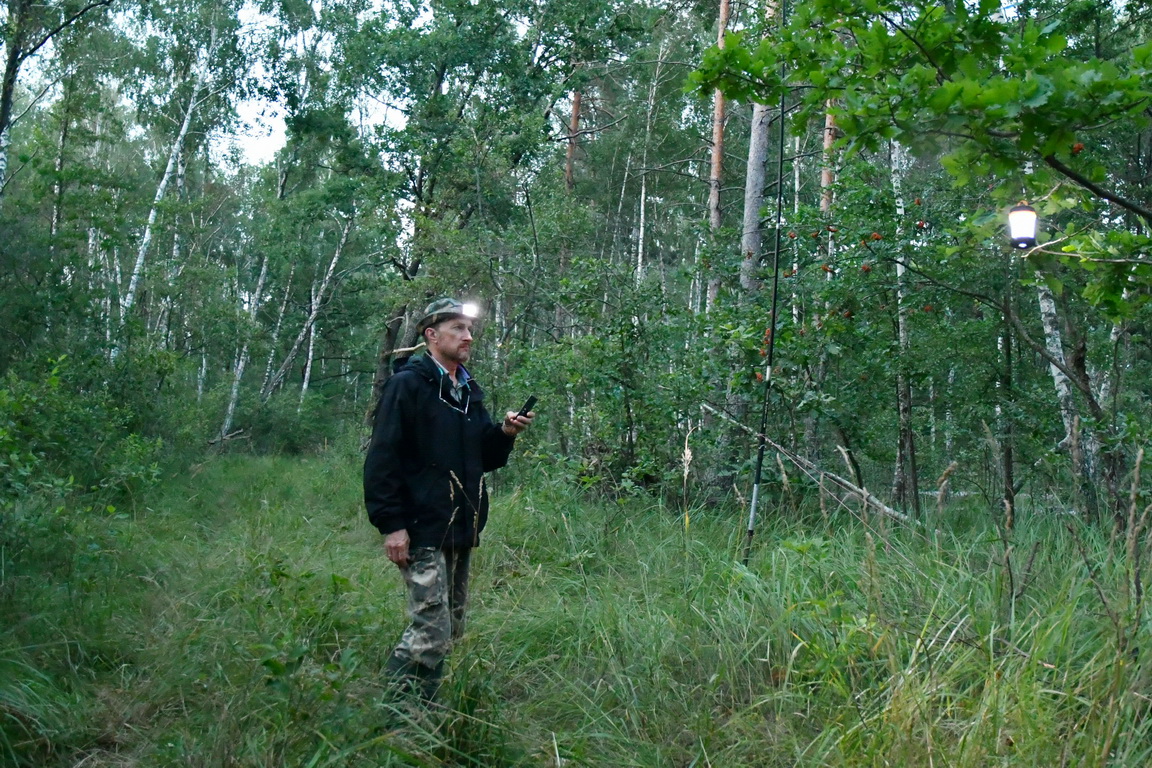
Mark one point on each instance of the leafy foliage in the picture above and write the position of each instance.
(53, 440)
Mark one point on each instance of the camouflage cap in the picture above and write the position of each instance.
(444, 308)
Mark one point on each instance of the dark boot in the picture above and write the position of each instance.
(408, 677)
(401, 675)
(428, 681)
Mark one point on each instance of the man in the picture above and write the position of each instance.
(424, 486)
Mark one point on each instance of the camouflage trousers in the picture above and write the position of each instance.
(437, 581)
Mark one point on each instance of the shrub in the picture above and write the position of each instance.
(60, 437)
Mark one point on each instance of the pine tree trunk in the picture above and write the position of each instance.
(716, 166)
(827, 196)
(573, 133)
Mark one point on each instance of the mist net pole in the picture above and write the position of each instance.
(762, 434)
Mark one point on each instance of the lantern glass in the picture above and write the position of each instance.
(1022, 226)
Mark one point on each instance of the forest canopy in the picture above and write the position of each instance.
(651, 201)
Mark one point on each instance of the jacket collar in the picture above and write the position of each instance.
(430, 370)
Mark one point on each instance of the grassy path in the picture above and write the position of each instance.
(241, 614)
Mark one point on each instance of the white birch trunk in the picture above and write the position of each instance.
(58, 184)
(313, 313)
(4, 144)
(202, 68)
(242, 357)
(1083, 445)
(1103, 388)
(1054, 343)
(642, 233)
(307, 367)
(795, 299)
(619, 205)
(904, 480)
(276, 331)
(639, 271)
(949, 417)
(202, 376)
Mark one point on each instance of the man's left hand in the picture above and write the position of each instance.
(514, 423)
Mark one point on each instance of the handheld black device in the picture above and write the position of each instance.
(527, 406)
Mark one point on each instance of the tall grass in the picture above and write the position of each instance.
(241, 616)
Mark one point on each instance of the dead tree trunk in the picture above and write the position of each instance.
(750, 236)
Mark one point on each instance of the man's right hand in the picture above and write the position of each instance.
(396, 547)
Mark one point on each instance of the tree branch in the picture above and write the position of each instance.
(941, 75)
(1098, 190)
(69, 21)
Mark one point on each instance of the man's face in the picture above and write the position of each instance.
(451, 340)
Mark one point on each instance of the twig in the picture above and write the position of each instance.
(942, 487)
(408, 349)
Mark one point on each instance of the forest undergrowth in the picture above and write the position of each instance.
(240, 613)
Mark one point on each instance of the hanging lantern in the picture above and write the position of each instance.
(1022, 226)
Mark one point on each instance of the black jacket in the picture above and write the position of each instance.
(425, 467)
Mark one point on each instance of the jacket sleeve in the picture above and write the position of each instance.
(383, 468)
(496, 446)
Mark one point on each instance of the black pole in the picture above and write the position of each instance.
(762, 434)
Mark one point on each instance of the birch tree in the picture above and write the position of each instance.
(318, 292)
(200, 78)
(254, 302)
(905, 480)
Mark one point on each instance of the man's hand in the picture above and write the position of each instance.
(514, 423)
(396, 547)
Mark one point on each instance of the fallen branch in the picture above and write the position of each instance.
(812, 470)
(237, 435)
